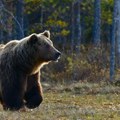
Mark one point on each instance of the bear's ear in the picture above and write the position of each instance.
(46, 33)
(33, 38)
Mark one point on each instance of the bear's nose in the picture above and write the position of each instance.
(57, 55)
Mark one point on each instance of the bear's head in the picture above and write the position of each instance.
(43, 47)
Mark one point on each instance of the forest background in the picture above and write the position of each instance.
(82, 30)
(87, 32)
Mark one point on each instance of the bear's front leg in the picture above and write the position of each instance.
(13, 93)
(13, 103)
(33, 95)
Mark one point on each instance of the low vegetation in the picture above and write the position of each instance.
(78, 101)
(91, 65)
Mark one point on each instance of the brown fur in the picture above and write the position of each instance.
(20, 63)
(1, 46)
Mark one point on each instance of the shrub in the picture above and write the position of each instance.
(91, 64)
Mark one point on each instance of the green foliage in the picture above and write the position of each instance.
(65, 32)
(56, 15)
(107, 8)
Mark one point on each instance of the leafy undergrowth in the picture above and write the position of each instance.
(80, 101)
(91, 64)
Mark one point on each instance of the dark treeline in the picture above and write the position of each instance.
(72, 23)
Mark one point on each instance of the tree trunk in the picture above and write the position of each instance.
(97, 22)
(41, 19)
(79, 27)
(73, 28)
(1, 36)
(118, 32)
(112, 50)
(9, 24)
(19, 17)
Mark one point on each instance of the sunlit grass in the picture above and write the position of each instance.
(67, 103)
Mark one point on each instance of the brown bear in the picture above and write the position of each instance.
(20, 64)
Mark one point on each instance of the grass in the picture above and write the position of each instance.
(80, 101)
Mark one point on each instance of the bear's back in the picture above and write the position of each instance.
(7, 48)
(11, 44)
(1, 46)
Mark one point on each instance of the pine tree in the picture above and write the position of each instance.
(78, 27)
(19, 17)
(73, 27)
(97, 22)
(112, 50)
(118, 31)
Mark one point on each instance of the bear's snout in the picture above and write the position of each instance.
(57, 55)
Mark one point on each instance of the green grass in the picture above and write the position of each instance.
(80, 101)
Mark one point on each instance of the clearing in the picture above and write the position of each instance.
(81, 101)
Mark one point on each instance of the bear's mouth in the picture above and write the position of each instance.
(56, 60)
(57, 56)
